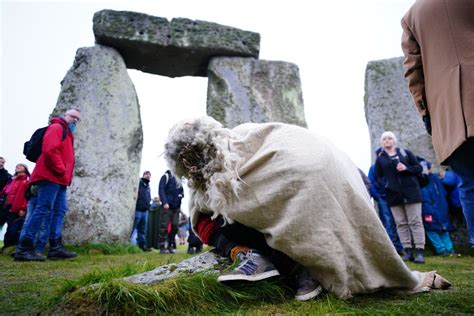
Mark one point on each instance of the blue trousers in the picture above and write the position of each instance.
(388, 222)
(140, 224)
(462, 163)
(441, 242)
(51, 207)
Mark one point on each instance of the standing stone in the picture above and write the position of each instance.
(244, 90)
(182, 47)
(108, 145)
(389, 107)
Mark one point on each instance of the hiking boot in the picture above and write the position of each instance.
(408, 254)
(25, 252)
(253, 266)
(420, 256)
(58, 252)
(171, 250)
(191, 251)
(307, 287)
(145, 249)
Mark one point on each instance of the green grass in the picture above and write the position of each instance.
(65, 287)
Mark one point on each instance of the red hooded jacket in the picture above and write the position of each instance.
(15, 192)
(56, 162)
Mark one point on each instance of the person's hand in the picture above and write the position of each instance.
(427, 121)
(21, 213)
(401, 167)
(166, 206)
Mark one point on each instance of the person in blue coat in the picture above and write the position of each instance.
(435, 213)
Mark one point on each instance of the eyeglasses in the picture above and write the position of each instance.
(75, 117)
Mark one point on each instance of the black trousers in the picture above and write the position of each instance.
(230, 235)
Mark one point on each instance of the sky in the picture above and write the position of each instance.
(331, 41)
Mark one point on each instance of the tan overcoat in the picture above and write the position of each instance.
(438, 43)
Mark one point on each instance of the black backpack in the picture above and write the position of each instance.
(32, 148)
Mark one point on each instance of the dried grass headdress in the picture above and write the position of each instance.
(199, 151)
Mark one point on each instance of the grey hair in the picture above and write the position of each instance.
(199, 151)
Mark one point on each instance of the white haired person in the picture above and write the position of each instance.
(396, 170)
(301, 193)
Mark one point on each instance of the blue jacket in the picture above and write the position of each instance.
(435, 210)
(170, 191)
(400, 187)
(452, 182)
(376, 191)
(144, 195)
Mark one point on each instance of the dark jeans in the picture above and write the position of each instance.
(51, 207)
(388, 223)
(238, 234)
(462, 163)
(140, 224)
(12, 235)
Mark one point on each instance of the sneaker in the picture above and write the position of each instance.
(307, 287)
(253, 267)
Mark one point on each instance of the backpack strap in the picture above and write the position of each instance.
(167, 178)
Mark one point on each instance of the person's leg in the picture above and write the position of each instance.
(415, 222)
(437, 242)
(141, 231)
(462, 163)
(165, 218)
(133, 233)
(56, 248)
(388, 222)
(174, 228)
(11, 235)
(447, 242)
(46, 196)
(403, 230)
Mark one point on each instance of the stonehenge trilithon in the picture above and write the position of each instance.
(108, 145)
(181, 47)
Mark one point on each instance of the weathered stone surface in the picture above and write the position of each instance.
(181, 47)
(389, 107)
(108, 145)
(206, 261)
(244, 90)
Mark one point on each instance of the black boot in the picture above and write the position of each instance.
(408, 254)
(420, 256)
(57, 250)
(25, 252)
(163, 248)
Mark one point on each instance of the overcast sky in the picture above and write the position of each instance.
(331, 42)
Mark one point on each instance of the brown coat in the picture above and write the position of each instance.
(438, 43)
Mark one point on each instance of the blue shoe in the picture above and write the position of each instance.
(253, 267)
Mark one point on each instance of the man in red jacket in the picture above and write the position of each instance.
(52, 175)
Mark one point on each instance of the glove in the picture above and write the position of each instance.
(427, 121)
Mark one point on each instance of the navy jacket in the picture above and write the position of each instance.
(144, 195)
(170, 191)
(400, 187)
(435, 209)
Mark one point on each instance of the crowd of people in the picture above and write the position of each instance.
(159, 221)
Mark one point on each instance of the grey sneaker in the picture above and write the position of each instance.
(307, 287)
(253, 267)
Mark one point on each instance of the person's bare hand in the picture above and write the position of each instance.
(401, 167)
(166, 206)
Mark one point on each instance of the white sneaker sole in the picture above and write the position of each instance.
(244, 277)
(314, 293)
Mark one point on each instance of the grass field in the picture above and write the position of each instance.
(51, 287)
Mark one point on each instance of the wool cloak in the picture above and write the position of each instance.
(305, 195)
